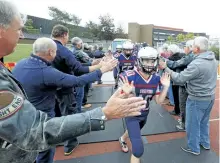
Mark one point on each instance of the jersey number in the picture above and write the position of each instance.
(125, 68)
(148, 98)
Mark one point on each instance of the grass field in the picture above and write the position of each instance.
(21, 51)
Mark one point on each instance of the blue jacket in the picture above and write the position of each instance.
(66, 62)
(99, 54)
(40, 81)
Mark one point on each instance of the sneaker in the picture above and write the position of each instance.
(179, 120)
(99, 82)
(116, 86)
(123, 144)
(181, 127)
(190, 151)
(86, 106)
(70, 150)
(206, 148)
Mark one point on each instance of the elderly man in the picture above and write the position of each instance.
(29, 130)
(83, 58)
(182, 64)
(40, 81)
(200, 77)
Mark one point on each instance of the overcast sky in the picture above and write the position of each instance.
(190, 15)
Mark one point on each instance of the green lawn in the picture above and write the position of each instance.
(21, 51)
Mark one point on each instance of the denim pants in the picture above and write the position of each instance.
(79, 98)
(170, 94)
(197, 123)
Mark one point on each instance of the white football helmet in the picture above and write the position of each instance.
(150, 54)
(128, 48)
(118, 47)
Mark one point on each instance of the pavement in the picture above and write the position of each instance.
(107, 147)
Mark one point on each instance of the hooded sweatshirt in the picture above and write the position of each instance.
(200, 77)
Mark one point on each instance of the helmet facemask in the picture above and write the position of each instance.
(127, 52)
(118, 50)
(148, 65)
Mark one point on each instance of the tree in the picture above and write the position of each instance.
(170, 38)
(107, 27)
(93, 28)
(59, 15)
(75, 20)
(29, 28)
(215, 50)
(29, 24)
(189, 36)
(180, 37)
(119, 32)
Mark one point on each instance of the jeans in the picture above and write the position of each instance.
(79, 98)
(170, 94)
(197, 123)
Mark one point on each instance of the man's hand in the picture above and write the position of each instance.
(127, 87)
(109, 55)
(95, 61)
(162, 64)
(108, 65)
(119, 107)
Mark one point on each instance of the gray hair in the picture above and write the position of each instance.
(189, 44)
(59, 30)
(76, 40)
(90, 47)
(86, 46)
(7, 11)
(173, 48)
(201, 42)
(42, 45)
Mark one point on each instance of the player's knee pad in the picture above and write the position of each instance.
(137, 148)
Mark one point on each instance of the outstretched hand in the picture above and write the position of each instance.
(127, 87)
(119, 107)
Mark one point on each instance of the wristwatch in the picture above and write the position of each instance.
(104, 118)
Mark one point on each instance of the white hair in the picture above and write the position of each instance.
(76, 40)
(173, 48)
(7, 13)
(189, 44)
(42, 45)
(165, 46)
(201, 42)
